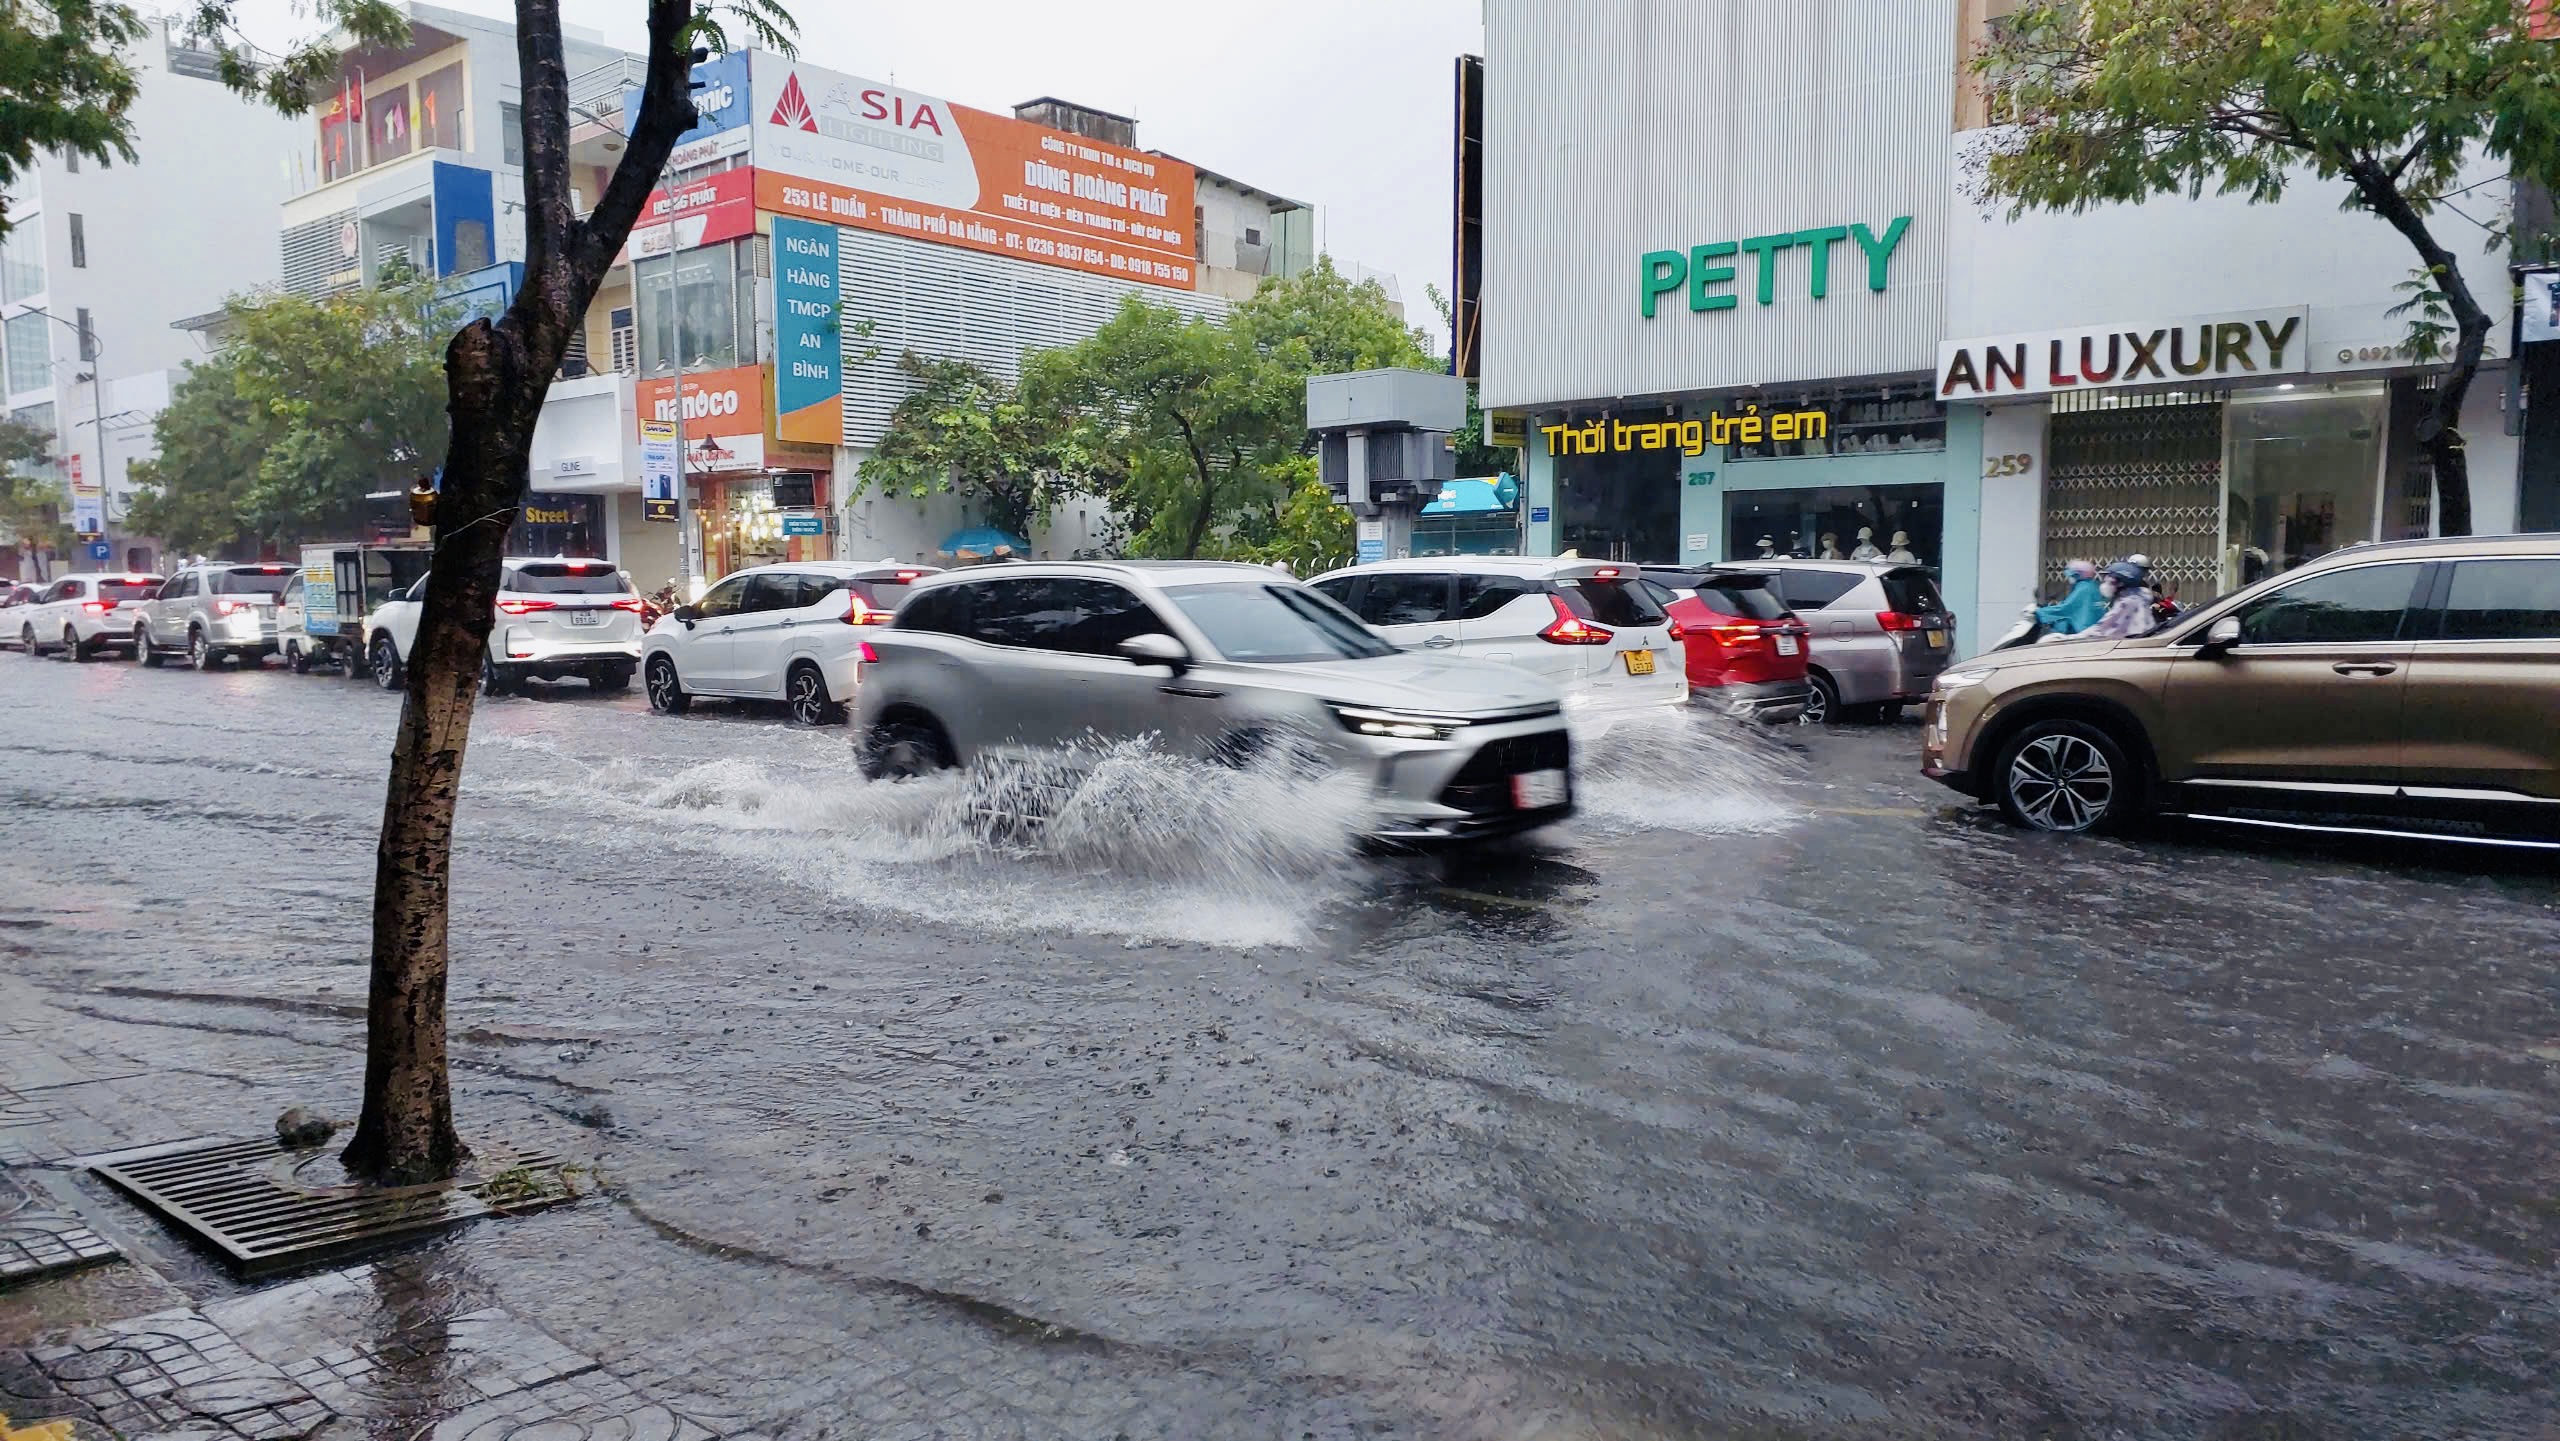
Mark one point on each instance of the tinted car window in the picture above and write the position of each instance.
(1609, 602)
(1481, 595)
(944, 611)
(129, 590)
(551, 577)
(1337, 589)
(1061, 613)
(1911, 592)
(1395, 598)
(774, 590)
(726, 598)
(1276, 624)
(2366, 604)
(1750, 599)
(250, 580)
(1815, 589)
(2503, 600)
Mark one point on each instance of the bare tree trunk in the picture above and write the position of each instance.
(496, 377)
(2440, 429)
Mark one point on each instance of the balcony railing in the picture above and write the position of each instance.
(598, 90)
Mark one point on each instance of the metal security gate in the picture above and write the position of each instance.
(2136, 473)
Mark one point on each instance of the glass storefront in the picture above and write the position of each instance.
(1621, 505)
(2305, 470)
(1838, 522)
(742, 526)
(558, 525)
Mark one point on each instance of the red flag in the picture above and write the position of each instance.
(355, 98)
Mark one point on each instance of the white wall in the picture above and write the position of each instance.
(1613, 130)
(2012, 529)
(2494, 474)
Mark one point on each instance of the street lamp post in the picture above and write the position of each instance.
(94, 355)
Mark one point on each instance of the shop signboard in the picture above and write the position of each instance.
(717, 207)
(2223, 346)
(1747, 426)
(723, 417)
(721, 108)
(1372, 541)
(1703, 272)
(804, 525)
(1506, 428)
(808, 346)
(869, 155)
(658, 470)
(1538, 515)
(2538, 316)
(89, 515)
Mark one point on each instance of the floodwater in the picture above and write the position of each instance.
(1771, 1095)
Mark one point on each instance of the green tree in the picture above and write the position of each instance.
(30, 497)
(963, 432)
(2121, 100)
(308, 406)
(496, 374)
(1475, 456)
(64, 83)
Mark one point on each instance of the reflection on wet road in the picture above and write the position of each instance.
(1770, 1092)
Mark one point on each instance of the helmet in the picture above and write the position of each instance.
(2128, 573)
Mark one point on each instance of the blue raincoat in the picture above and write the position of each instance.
(2076, 611)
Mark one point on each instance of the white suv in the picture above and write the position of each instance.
(81, 615)
(559, 617)
(791, 633)
(1589, 626)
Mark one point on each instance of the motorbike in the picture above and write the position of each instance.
(657, 603)
(2027, 631)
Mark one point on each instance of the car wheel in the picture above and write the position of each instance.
(905, 748)
(2067, 776)
(297, 658)
(494, 679)
(1821, 700)
(142, 651)
(666, 692)
(386, 663)
(615, 679)
(806, 692)
(27, 640)
(199, 654)
(72, 647)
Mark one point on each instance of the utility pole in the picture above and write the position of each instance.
(684, 467)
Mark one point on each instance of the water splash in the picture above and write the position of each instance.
(1687, 770)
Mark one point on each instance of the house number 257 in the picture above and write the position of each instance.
(1998, 465)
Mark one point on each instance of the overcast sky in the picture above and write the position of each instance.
(1340, 103)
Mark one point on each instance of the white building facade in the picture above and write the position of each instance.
(1677, 227)
(103, 259)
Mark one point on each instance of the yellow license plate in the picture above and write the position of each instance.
(1937, 640)
(1639, 662)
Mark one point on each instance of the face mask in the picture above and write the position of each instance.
(2108, 588)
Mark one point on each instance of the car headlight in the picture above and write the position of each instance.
(1397, 724)
(1954, 680)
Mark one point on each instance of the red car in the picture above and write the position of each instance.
(1746, 649)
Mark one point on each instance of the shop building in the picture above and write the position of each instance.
(1738, 313)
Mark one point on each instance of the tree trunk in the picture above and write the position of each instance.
(2440, 429)
(496, 377)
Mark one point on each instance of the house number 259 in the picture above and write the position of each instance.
(1998, 465)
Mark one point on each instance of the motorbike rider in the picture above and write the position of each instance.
(2079, 607)
(2127, 588)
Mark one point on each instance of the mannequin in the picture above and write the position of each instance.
(1795, 545)
(1866, 545)
(1768, 548)
(1901, 553)
(1830, 545)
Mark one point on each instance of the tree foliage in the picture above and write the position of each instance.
(308, 406)
(64, 83)
(30, 497)
(963, 432)
(2121, 100)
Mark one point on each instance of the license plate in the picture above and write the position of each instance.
(1937, 640)
(1787, 645)
(586, 617)
(1639, 662)
(1537, 790)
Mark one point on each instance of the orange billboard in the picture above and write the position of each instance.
(723, 416)
(870, 156)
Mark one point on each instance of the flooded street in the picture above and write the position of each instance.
(1772, 1095)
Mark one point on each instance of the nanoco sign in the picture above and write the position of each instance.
(2107, 357)
(1704, 273)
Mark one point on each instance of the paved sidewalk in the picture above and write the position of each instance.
(587, 1321)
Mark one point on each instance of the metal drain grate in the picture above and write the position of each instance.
(248, 1201)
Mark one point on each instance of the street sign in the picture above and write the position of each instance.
(658, 470)
(652, 508)
(804, 525)
(99, 550)
(1506, 428)
(89, 515)
(1537, 515)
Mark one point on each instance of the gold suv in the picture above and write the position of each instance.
(2404, 688)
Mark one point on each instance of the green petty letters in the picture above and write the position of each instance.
(1666, 271)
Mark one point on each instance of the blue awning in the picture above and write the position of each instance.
(983, 540)
(1474, 497)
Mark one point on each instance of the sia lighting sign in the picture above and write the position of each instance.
(1703, 271)
(1689, 437)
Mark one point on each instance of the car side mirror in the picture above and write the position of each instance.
(2224, 635)
(1156, 648)
(688, 614)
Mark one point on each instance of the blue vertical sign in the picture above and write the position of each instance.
(808, 344)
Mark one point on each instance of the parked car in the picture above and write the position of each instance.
(1590, 627)
(83, 614)
(562, 616)
(1746, 650)
(1215, 661)
(14, 602)
(320, 620)
(211, 612)
(1880, 634)
(789, 632)
(2404, 688)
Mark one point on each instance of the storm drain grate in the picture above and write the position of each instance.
(250, 1201)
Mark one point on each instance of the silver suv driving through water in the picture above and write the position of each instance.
(1214, 661)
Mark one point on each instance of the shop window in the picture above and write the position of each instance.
(1902, 523)
(1621, 504)
(693, 293)
(2305, 467)
(557, 525)
(1851, 424)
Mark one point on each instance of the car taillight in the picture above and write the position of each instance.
(856, 612)
(908, 576)
(519, 607)
(1606, 572)
(97, 607)
(1896, 620)
(632, 605)
(1679, 631)
(1571, 629)
(1729, 635)
(231, 607)
(865, 654)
